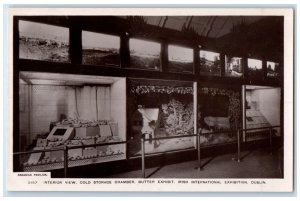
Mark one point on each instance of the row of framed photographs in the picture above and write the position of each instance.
(38, 41)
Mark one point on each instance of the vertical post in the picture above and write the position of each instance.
(238, 159)
(143, 155)
(75, 43)
(164, 57)
(15, 101)
(66, 161)
(195, 100)
(28, 136)
(271, 140)
(239, 145)
(244, 111)
(198, 148)
(124, 50)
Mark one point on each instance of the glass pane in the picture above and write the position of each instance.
(160, 111)
(144, 54)
(262, 106)
(43, 42)
(219, 111)
(272, 69)
(255, 68)
(233, 66)
(100, 49)
(210, 63)
(56, 110)
(180, 59)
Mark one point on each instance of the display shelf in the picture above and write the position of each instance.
(74, 163)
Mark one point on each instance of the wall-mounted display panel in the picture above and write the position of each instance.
(233, 66)
(255, 69)
(144, 54)
(210, 63)
(38, 41)
(100, 49)
(181, 59)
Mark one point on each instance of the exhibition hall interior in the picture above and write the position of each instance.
(148, 96)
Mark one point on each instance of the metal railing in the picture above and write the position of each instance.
(65, 149)
(198, 144)
(267, 128)
(143, 140)
(238, 143)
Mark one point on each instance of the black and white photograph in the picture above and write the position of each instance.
(100, 49)
(149, 98)
(144, 54)
(180, 59)
(210, 63)
(255, 69)
(273, 69)
(38, 41)
(233, 66)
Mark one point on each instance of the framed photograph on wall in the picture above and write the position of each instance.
(210, 63)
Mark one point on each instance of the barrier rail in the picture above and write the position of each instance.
(238, 132)
(143, 140)
(198, 144)
(65, 149)
(270, 128)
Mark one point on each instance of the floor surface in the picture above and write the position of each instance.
(259, 163)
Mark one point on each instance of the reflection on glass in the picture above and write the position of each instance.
(233, 66)
(100, 49)
(210, 63)
(39, 41)
(219, 110)
(144, 54)
(262, 106)
(255, 68)
(180, 59)
(160, 111)
(272, 69)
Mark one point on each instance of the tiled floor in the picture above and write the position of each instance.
(258, 163)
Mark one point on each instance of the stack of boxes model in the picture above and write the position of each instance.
(71, 136)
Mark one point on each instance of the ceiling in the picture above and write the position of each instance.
(206, 26)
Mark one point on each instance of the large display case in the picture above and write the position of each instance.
(261, 110)
(59, 110)
(159, 108)
(219, 112)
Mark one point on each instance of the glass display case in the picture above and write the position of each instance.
(219, 112)
(262, 109)
(38, 41)
(159, 108)
(59, 110)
